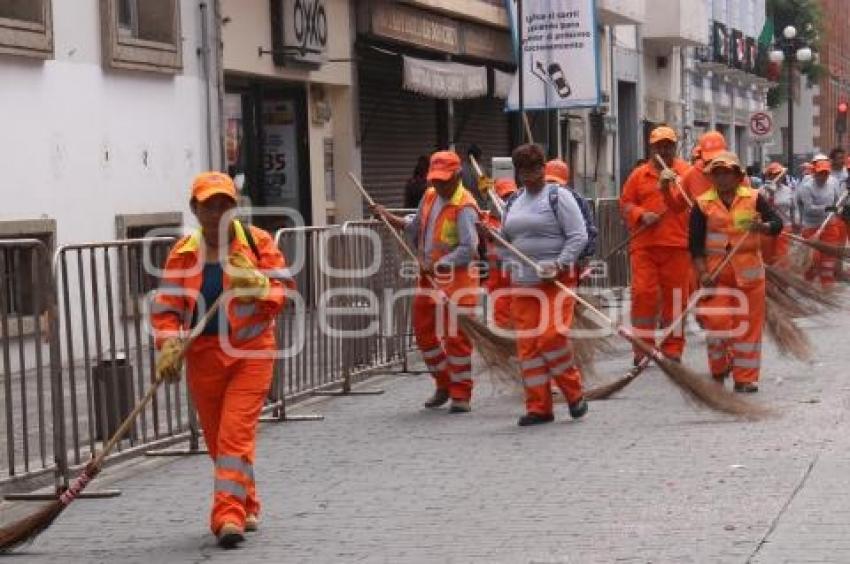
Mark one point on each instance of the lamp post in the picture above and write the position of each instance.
(790, 48)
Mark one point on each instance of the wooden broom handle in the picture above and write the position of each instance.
(678, 182)
(841, 201)
(497, 201)
(524, 258)
(397, 236)
(128, 421)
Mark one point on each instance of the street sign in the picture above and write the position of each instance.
(761, 125)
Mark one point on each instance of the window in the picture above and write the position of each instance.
(26, 28)
(139, 280)
(142, 35)
(24, 275)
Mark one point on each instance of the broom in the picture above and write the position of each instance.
(782, 329)
(495, 349)
(806, 294)
(699, 390)
(836, 251)
(27, 529)
(607, 390)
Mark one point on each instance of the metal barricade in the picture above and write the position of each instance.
(109, 351)
(28, 361)
(612, 233)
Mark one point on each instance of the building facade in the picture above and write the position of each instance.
(834, 86)
(110, 110)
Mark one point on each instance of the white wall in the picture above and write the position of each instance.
(61, 118)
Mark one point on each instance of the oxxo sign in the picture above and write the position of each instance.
(305, 30)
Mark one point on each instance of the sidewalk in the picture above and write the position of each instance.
(643, 478)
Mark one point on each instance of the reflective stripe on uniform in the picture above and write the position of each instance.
(532, 363)
(715, 355)
(717, 238)
(158, 308)
(753, 273)
(557, 354)
(460, 361)
(235, 463)
(279, 274)
(534, 381)
(431, 353)
(251, 331)
(563, 367)
(461, 376)
(746, 363)
(747, 347)
(231, 487)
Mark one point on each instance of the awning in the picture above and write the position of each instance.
(444, 80)
(502, 84)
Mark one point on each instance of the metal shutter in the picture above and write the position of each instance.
(483, 122)
(396, 126)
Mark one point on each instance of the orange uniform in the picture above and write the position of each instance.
(448, 356)
(546, 352)
(228, 373)
(660, 262)
(733, 320)
(498, 279)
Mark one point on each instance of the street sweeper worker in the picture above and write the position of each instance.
(781, 198)
(229, 367)
(722, 217)
(444, 233)
(817, 197)
(498, 281)
(709, 145)
(541, 313)
(656, 213)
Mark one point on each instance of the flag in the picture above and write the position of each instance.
(766, 36)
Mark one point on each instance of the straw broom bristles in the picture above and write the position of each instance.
(798, 288)
(790, 340)
(24, 531)
(837, 251)
(696, 388)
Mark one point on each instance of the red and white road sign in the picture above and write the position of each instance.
(761, 125)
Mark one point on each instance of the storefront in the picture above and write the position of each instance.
(426, 82)
(287, 108)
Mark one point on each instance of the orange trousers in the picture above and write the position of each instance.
(545, 352)
(774, 250)
(447, 354)
(823, 265)
(500, 280)
(229, 393)
(662, 278)
(734, 336)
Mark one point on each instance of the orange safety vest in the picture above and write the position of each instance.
(726, 228)
(251, 324)
(445, 235)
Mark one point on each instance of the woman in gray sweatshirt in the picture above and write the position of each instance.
(545, 223)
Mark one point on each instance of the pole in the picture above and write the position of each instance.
(790, 156)
(520, 69)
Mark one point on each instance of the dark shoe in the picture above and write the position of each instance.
(252, 523)
(460, 406)
(230, 535)
(746, 387)
(578, 409)
(720, 378)
(439, 398)
(534, 419)
(636, 361)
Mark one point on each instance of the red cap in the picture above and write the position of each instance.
(208, 184)
(774, 168)
(444, 165)
(504, 187)
(712, 144)
(557, 171)
(823, 166)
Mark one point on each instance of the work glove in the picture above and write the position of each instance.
(650, 218)
(485, 184)
(831, 209)
(666, 177)
(170, 361)
(548, 272)
(249, 283)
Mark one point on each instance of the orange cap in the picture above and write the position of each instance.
(662, 133)
(557, 171)
(822, 166)
(504, 187)
(208, 184)
(774, 168)
(725, 159)
(711, 144)
(444, 165)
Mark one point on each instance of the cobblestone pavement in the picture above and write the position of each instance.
(643, 478)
